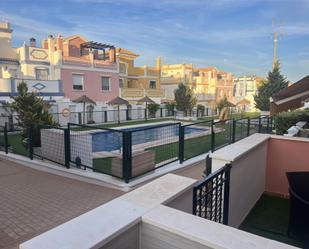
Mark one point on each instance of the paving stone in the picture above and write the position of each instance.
(33, 202)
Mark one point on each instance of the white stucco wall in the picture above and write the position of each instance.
(248, 174)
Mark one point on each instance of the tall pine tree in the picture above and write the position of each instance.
(273, 84)
(185, 99)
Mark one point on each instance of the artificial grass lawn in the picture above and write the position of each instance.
(234, 115)
(16, 145)
(102, 164)
(270, 218)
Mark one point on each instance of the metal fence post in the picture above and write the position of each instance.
(127, 114)
(248, 127)
(207, 110)
(67, 147)
(181, 143)
(267, 129)
(6, 144)
(105, 116)
(260, 125)
(30, 141)
(161, 112)
(127, 155)
(226, 194)
(194, 202)
(233, 130)
(208, 166)
(146, 114)
(212, 137)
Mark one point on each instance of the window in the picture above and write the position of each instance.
(106, 84)
(41, 74)
(78, 82)
(120, 83)
(153, 84)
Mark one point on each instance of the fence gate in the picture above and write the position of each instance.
(211, 196)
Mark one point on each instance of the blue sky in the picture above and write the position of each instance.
(234, 36)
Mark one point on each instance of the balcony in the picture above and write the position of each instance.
(259, 194)
(140, 93)
(205, 97)
(42, 87)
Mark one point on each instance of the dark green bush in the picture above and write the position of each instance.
(284, 120)
(201, 110)
(152, 109)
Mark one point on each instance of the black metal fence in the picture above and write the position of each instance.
(4, 145)
(98, 149)
(211, 196)
(196, 139)
(125, 153)
(129, 152)
(49, 143)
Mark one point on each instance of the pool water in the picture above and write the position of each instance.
(112, 140)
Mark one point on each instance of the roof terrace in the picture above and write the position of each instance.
(159, 214)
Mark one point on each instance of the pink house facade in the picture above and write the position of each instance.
(87, 68)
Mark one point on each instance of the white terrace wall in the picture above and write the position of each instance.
(129, 239)
(248, 174)
(248, 182)
(154, 237)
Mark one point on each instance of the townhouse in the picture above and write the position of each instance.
(37, 67)
(138, 82)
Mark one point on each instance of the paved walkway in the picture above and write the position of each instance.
(32, 202)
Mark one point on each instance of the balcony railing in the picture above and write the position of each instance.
(52, 87)
(139, 93)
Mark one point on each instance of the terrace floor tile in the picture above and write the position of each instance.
(33, 202)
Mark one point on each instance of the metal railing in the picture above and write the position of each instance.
(4, 145)
(211, 196)
(129, 152)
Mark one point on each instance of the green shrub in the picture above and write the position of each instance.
(201, 110)
(152, 109)
(170, 108)
(284, 120)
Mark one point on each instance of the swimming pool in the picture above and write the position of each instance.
(112, 140)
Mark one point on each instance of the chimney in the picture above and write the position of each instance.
(32, 42)
(51, 43)
(59, 42)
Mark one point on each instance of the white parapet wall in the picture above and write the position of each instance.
(141, 220)
(248, 174)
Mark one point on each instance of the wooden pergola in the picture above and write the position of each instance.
(98, 46)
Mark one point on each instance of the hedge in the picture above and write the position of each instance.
(284, 120)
